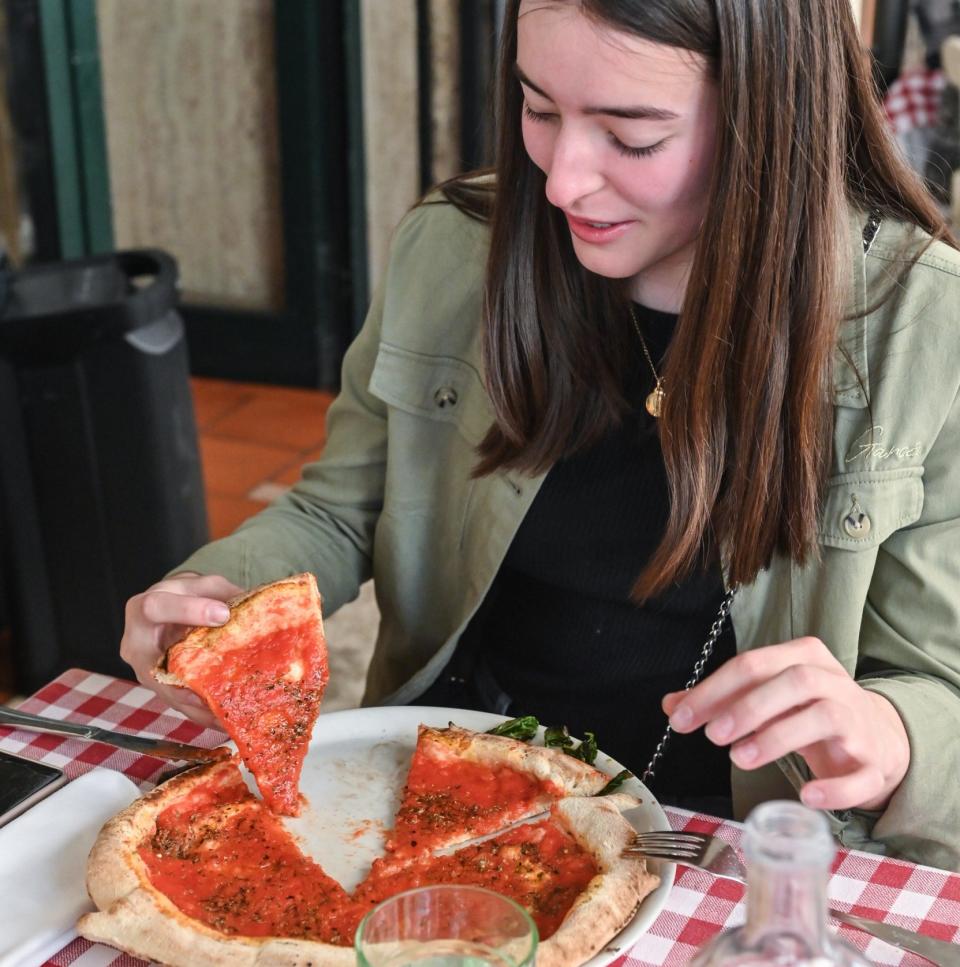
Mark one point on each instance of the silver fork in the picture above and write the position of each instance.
(692, 849)
(718, 858)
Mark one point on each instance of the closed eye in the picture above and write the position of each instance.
(536, 115)
(643, 151)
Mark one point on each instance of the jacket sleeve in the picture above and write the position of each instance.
(326, 522)
(910, 654)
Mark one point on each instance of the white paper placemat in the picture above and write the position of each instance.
(43, 861)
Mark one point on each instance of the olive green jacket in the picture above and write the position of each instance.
(392, 498)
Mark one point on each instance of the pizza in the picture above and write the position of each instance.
(565, 870)
(201, 871)
(463, 784)
(263, 674)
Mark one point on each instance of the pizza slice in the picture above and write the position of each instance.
(464, 784)
(567, 871)
(263, 674)
(200, 871)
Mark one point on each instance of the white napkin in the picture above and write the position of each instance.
(43, 862)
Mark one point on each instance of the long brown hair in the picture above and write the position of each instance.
(746, 431)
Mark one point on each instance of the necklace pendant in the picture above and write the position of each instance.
(654, 403)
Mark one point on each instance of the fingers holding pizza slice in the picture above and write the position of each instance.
(263, 674)
(200, 870)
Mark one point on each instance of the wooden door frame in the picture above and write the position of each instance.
(868, 16)
(71, 60)
(303, 343)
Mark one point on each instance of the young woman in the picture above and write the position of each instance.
(692, 343)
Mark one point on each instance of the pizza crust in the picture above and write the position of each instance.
(141, 926)
(611, 898)
(571, 776)
(135, 917)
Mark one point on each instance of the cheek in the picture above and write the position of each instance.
(667, 182)
(538, 142)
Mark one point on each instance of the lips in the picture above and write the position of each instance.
(595, 231)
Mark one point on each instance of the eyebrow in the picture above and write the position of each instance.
(643, 112)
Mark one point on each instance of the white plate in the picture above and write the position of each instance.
(353, 777)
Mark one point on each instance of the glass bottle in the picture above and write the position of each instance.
(788, 849)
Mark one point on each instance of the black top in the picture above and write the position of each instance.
(558, 633)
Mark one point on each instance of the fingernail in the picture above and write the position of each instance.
(682, 717)
(745, 754)
(812, 796)
(217, 614)
(721, 728)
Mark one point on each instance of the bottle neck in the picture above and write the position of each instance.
(789, 900)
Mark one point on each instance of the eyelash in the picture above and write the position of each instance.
(625, 150)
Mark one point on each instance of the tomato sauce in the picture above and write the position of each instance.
(236, 869)
(225, 786)
(268, 695)
(225, 860)
(538, 865)
(446, 796)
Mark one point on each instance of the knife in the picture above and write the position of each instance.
(477, 840)
(161, 748)
(941, 952)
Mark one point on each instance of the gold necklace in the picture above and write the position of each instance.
(654, 402)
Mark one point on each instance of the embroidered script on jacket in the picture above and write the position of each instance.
(868, 445)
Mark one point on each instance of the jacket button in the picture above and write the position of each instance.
(856, 524)
(445, 396)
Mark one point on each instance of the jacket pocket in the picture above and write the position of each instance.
(440, 388)
(861, 510)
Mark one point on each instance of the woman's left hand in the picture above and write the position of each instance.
(796, 697)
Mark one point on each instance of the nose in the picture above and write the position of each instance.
(574, 170)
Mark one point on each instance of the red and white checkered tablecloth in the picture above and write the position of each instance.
(913, 100)
(699, 906)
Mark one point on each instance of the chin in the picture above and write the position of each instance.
(605, 264)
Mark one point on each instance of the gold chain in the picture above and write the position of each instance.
(654, 402)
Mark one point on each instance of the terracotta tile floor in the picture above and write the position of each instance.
(253, 440)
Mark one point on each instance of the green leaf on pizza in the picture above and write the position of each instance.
(557, 736)
(616, 782)
(586, 750)
(523, 728)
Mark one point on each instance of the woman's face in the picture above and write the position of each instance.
(624, 129)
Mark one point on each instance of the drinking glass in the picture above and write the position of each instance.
(447, 926)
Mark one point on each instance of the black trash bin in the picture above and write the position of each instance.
(100, 480)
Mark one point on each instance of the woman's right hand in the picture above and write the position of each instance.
(159, 616)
